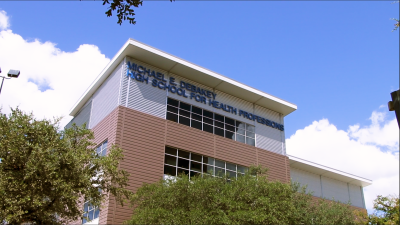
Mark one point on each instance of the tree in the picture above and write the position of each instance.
(386, 211)
(397, 24)
(249, 199)
(124, 9)
(45, 174)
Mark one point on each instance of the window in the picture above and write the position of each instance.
(102, 149)
(91, 212)
(208, 121)
(178, 161)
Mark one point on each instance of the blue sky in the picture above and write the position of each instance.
(337, 61)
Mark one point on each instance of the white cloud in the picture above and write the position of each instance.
(371, 152)
(4, 24)
(65, 74)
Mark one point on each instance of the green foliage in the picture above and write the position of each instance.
(44, 172)
(386, 211)
(124, 9)
(249, 199)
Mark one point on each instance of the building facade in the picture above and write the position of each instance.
(171, 116)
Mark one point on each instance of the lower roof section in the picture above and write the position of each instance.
(315, 168)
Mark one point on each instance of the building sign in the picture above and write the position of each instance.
(190, 91)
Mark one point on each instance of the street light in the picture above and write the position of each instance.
(11, 74)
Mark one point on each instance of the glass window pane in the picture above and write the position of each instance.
(240, 138)
(219, 117)
(172, 109)
(240, 131)
(192, 174)
(240, 125)
(85, 207)
(208, 114)
(230, 173)
(185, 106)
(229, 121)
(172, 117)
(219, 163)
(197, 117)
(230, 128)
(195, 157)
(197, 110)
(250, 134)
(207, 120)
(241, 169)
(183, 154)
(90, 207)
(196, 124)
(169, 170)
(91, 214)
(208, 128)
(84, 219)
(173, 102)
(171, 151)
(230, 166)
(219, 172)
(104, 152)
(208, 160)
(208, 169)
(229, 135)
(219, 124)
(250, 128)
(183, 171)
(250, 141)
(195, 166)
(184, 113)
(183, 163)
(170, 160)
(184, 120)
(219, 131)
(96, 213)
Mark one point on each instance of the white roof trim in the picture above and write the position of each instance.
(280, 105)
(315, 168)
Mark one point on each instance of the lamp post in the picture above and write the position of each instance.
(11, 74)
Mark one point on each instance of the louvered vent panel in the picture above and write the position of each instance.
(144, 97)
(105, 99)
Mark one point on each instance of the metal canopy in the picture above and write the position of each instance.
(180, 67)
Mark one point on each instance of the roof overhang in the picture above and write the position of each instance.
(183, 68)
(327, 171)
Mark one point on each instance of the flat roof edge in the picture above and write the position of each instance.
(329, 169)
(290, 107)
(211, 73)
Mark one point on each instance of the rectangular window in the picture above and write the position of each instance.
(210, 122)
(177, 161)
(102, 149)
(90, 212)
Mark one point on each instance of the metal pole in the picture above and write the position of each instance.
(1, 84)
